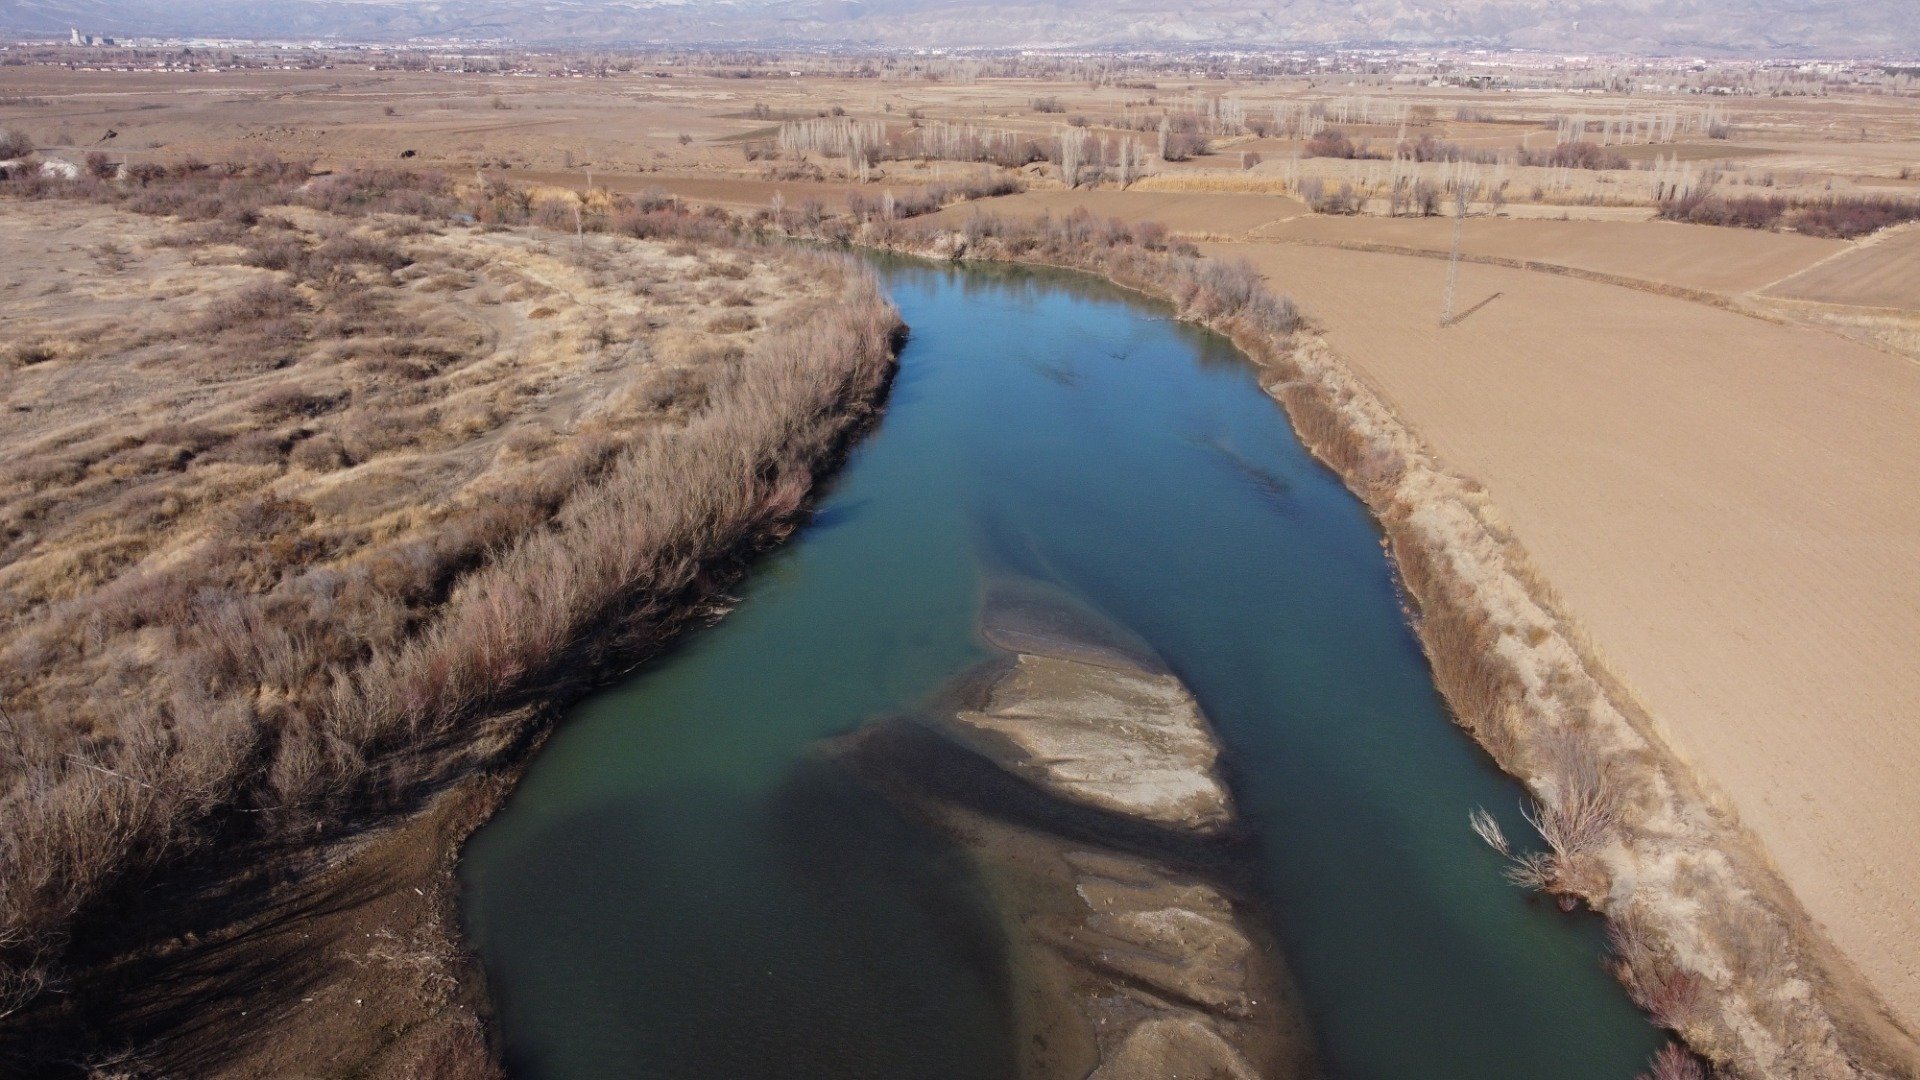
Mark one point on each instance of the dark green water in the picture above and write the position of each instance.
(683, 888)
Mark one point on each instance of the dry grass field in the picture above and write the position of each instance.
(299, 499)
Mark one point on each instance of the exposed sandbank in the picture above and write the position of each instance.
(1082, 780)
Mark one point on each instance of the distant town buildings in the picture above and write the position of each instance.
(80, 41)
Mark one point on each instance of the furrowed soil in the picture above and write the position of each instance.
(1689, 256)
(1882, 272)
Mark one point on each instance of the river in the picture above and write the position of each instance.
(684, 886)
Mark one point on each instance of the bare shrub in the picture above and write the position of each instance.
(1426, 197)
(1430, 148)
(1531, 870)
(1673, 1062)
(1340, 200)
(1573, 155)
(1329, 142)
(1583, 813)
(264, 302)
(732, 322)
(936, 196)
(1838, 217)
(1669, 992)
(1577, 819)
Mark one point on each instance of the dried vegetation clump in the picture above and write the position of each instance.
(1840, 217)
(331, 529)
(926, 199)
(1674, 1063)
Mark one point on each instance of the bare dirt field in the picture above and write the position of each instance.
(1726, 506)
(1189, 214)
(1690, 256)
(1881, 273)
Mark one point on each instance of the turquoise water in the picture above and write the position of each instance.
(684, 886)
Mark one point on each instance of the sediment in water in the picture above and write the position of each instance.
(1082, 777)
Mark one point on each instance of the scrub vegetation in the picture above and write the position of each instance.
(369, 493)
(1140, 256)
(1838, 217)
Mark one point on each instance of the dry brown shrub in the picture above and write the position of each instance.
(1674, 1063)
(320, 453)
(32, 352)
(732, 322)
(1668, 992)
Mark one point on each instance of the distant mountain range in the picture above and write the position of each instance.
(1776, 27)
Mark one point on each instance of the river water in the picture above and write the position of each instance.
(684, 886)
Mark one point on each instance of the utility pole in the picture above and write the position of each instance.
(1453, 261)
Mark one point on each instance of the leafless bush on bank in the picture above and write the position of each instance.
(1674, 1063)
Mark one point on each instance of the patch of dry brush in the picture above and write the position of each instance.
(333, 530)
(1842, 217)
(1143, 257)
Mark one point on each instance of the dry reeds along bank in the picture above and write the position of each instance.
(1674, 1063)
(1140, 256)
(1576, 821)
(280, 678)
